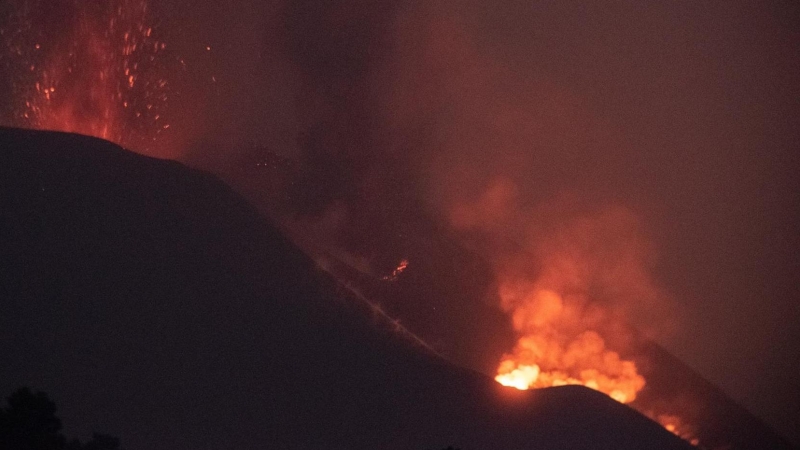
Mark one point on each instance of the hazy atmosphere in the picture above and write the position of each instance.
(640, 155)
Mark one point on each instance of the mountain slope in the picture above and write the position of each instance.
(446, 288)
(154, 304)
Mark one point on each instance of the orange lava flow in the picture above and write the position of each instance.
(678, 427)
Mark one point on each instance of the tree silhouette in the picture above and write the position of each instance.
(29, 422)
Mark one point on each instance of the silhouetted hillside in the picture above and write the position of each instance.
(156, 305)
(442, 269)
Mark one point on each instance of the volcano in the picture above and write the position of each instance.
(153, 303)
(440, 268)
(675, 394)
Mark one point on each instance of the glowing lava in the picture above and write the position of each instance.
(555, 351)
(397, 271)
(678, 427)
(96, 73)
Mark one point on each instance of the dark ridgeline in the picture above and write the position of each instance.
(153, 303)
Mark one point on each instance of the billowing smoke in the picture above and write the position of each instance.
(572, 280)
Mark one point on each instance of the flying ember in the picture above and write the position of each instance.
(98, 72)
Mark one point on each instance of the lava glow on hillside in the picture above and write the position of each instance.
(556, 350)
(570, 288)
(543, 357)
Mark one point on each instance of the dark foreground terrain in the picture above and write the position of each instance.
(154, 304)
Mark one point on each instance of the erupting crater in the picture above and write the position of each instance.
(100, 72)
(554, 350)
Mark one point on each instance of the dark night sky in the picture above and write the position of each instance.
(684, 112)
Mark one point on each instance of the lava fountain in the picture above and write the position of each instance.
(89, 67)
